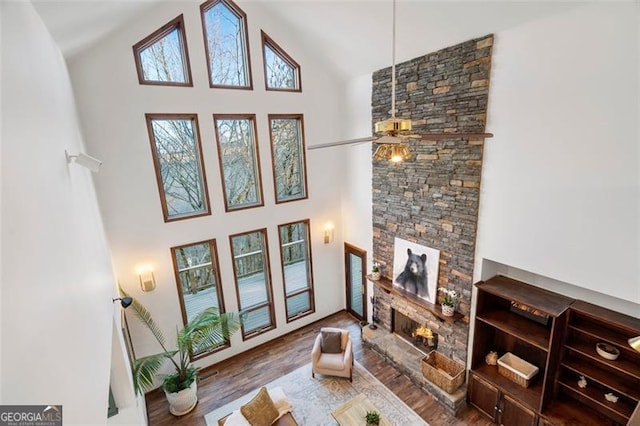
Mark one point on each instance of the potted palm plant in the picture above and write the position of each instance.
(208, 328)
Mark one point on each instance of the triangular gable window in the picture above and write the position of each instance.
(281, 72)
(226, 43)
(162, 58)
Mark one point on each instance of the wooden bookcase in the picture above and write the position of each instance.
(534, 336)
(587, 325)
(558, 335)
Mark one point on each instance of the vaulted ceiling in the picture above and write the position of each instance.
(352, 36)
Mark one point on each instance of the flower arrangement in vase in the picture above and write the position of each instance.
(375, 271)
(449, 301)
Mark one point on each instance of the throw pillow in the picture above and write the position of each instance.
(280, 400)
(330, 343)
(260, 411)
(236, 419)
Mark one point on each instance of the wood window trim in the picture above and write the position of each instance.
(269, 302)
(176, 23)
(350, 249)
(156, 164)
(252, 118)
(183, 309)
(303, 154)
(268, 41)
(310, 289)
(234, 8)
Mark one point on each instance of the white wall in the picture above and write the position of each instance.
(560, 185)
(357, 191)
(112, 106)
(57, 280)
(131, 407)
(1, 181)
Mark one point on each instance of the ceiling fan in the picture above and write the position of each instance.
(394, 131)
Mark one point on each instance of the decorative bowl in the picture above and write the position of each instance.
(607, 351)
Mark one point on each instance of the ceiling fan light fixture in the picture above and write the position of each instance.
(394, 153)
(393, 126)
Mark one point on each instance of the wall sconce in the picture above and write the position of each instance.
(84, 160)
(147, 279)
(634, 342)
(328, 232)
(125, 302)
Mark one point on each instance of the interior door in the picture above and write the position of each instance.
(355, 261)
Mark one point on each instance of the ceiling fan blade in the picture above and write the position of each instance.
(388, 140)
(339, 143)
(439, 136)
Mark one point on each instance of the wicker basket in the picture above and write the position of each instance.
(516, 369)
(444, 372)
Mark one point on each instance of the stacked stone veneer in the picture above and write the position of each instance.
(432, 199)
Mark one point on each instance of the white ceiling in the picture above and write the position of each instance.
(354, 36)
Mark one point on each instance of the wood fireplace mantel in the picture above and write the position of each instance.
(386, 285)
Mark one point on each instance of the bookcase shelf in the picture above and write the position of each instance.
(515, 325)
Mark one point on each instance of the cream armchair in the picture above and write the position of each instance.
(331, 356)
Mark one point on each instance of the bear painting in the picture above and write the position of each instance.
(415, 268)
(413, 277)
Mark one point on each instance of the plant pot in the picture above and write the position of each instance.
(372, 424)
(448, 310)
(180, 403)
(375, 275)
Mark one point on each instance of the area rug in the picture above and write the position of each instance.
(314, 399)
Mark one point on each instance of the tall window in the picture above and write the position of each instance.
(253, 282)
(163, 58)
(175, 144)
(239, 160)
(288, 156)
(198, 279)
(226, 43)
(295, 256)
(281, 72)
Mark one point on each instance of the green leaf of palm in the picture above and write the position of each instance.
(145, 316)
(146, 368)
(210, 328)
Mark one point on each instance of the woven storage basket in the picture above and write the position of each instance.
(444, 372)
(516, 369)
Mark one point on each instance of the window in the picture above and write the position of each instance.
(295, 255)
(198, 279)
(253, 282)
(239, 160)
(281, 72)
(175, 144)
(163, 58)
(226, 44)
(288, 157)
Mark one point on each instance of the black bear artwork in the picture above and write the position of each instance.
(413, 277)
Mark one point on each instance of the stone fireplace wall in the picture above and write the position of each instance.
(432, 199)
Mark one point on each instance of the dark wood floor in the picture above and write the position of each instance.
(233, 378)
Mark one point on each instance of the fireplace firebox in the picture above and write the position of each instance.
(419, 335)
